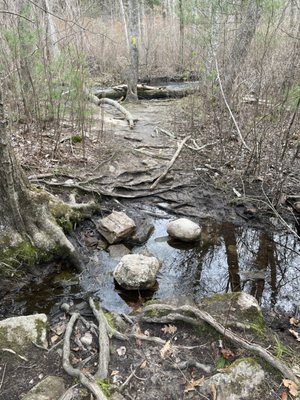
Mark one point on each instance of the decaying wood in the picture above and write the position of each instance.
(169, 166)
(204, 316)
(86, 380)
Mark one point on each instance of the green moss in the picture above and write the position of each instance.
(40, 326)
(105, 387)
(256, 320)
(109, 319)
(76, 139)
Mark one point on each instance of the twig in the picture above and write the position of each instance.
(229, 109)
(204, 316)
(3, 375)
(87, 380)
(180, 146)
(192, 363)
(69, 394)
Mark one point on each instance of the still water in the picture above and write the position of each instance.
(227, 258)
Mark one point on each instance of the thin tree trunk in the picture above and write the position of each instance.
(181, 36)
(123, 16)
(242, 44)
(133, 28)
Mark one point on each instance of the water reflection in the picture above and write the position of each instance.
(229, 258)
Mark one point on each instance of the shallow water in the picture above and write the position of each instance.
(227, 258)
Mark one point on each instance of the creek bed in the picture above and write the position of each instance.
(227, 258)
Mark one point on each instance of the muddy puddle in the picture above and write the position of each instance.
(227, 258)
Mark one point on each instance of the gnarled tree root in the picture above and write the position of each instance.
(173, 313)
(85, 379)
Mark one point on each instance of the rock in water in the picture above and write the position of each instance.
(184, 229)
(136, 271)
(116, 227)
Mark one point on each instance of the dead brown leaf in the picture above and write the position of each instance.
(294, 321)
(166, 350)
(292, 386)
(227, 353)
(213, 391)
(191, 385)
(171, 329)
(295, 334)
(284, 396)
(143, 365)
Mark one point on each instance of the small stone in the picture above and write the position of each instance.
(184, 229)
(65, 307)
(87, 339)
(136, 271)
(116, 227)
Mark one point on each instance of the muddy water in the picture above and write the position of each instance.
(227, 258)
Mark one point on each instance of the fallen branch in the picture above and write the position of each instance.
(180, 146)
(94, 99)
(86, 380)
(204, 316)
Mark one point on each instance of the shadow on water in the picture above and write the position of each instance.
(227, 258)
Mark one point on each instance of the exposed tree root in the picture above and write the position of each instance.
(174, 313)
(86, 380)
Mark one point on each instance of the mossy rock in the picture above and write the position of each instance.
(237, 310)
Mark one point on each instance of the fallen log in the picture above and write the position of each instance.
(148, 92)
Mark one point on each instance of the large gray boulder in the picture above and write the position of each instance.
(136, 271)
(18, 333)
(184, 229)
(241, 380)
(50, 388)
(116, 227)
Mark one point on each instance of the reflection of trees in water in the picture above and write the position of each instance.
(232, 257)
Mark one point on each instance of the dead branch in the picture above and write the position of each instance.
(95, 100)
(192, 363)
(229, 109)
(204, 316)
(86, 380)
(180, 146)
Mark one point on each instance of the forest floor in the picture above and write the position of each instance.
(121, 165)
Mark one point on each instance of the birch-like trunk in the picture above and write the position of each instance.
(133, 35)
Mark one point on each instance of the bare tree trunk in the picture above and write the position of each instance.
(24, 215)
(52, 42)
(242, 44)
(181, 36)
(133, 29)
(123, 16)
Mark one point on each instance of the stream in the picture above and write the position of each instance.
(227, 258)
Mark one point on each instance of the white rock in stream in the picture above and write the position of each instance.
(136, 271)
(184, 229)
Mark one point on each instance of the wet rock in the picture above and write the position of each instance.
(241, 380)
(50, 388)
(136, 271)
(184, 229)
(18, 333)
(116, 227)
(144, 228)
(117, 251)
